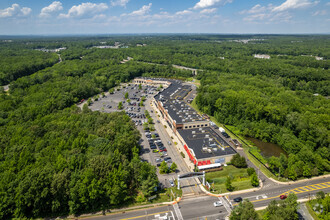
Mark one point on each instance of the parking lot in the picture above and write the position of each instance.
(154, 146)
(110, 102)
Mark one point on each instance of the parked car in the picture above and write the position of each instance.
(217, 204)
(167, 158)
(155, 151)
(283, 196)
(158, 160)
(238, 199)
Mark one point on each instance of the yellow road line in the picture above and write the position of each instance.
(297, 190)
(141, 216)
(309, 187)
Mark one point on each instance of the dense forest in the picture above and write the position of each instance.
(56, 159)
(17, 63)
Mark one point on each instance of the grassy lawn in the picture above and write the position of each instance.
(261, 213)
(310, 210)
(164, 196)
(240, 179)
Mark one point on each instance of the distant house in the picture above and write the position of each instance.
(318, 58)
(261, 56)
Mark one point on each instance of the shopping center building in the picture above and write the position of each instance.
(202, 142)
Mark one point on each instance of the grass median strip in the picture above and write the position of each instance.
(240, 179)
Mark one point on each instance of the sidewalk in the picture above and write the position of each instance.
(123, 210)
(300, 181)
(179, 148)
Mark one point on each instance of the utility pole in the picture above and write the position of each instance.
(279, 172)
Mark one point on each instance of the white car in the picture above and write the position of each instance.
(217, 204)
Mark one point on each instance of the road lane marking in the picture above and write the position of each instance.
(142, 216)
(297, 189)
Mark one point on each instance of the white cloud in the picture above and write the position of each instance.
(14, 10)
(321, 12)
(142, 11)
(210, 3)
(208, 10)
(119, 2)
(293, 4)
(54, 7)
(265, 14)
(85, 10)
(327, 4)
(255, 9)
(184, 12)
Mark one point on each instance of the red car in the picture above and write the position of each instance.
(283, 196)
(163, 149)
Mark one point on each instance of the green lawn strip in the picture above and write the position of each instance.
(261, 213)
(194, 105)
(240, 179)
(310, 209)
(164, 196)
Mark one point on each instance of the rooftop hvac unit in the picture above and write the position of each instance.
(193, 132)
(211, 139)
(222, 148)
(200, 129)
(183, 120)
(203, 131)
(215, 149)
(194, 135)
(207, 136)
(204, 149)
(209, 150)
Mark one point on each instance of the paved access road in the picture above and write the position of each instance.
(145, 214)
(202, 207)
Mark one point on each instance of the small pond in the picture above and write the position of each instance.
(267, 149)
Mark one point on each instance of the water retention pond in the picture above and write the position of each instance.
(267, 149)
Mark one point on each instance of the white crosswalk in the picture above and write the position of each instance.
(225, 204)
(177, 211)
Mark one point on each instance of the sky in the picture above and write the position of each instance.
(48, 17)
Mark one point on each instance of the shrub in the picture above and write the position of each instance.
(182, 154)
(238, 161)
(250, 171)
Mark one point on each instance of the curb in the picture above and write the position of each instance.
(299, 201)
(300, 181)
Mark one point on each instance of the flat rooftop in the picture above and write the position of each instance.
(172, 100)
(206, 143)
